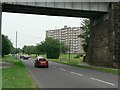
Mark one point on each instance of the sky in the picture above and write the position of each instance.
(31, 29)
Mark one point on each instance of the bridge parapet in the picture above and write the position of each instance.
(85, 6)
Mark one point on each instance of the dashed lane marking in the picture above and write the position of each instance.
(76, 73)
(62, 69)
(90, 77)
(102, 81)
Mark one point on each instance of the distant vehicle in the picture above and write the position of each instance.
(21, 56)
(26, 57)
(41, 62)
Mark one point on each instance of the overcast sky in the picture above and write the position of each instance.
(32, 28)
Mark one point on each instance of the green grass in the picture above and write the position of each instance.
(76, 62)
(43, 55)
(34, 56)
(0, 79)
(0, 75)
(64, 58)
(17, 75)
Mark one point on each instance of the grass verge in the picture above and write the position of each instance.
(17, 75)
(0, 79)
(75, 63)
(64, 59)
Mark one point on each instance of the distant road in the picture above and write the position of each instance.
(64, 76)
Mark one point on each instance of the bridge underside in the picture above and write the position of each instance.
(104, 47)
(50, 11)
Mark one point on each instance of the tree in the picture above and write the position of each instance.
(63, 48)
(6, 45)
(19, 50)
(41, 49)
(13, 50)
(85, 35)
(35, 50)
(29, 50)
(52, 47)
(24, 49)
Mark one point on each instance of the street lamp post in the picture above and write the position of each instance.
(69, 48)
(16, 44)
(60, 52)
(60, 45)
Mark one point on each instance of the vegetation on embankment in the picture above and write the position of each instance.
(78, 62)
(16, 76)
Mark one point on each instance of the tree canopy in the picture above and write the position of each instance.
(6, 45)
(86, 34)
(63, 48)
(29, 50)
(51, 47)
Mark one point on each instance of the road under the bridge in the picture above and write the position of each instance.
(64, 76)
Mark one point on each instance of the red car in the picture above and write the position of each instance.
(41, 62)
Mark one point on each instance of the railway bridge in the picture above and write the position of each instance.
(104, 46)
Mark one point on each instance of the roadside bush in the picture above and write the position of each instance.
(78, 55)
(53, 55)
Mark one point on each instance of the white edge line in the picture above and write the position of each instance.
(102, 81)
(62, 69)
(76, 73)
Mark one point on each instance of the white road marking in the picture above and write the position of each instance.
(90, 77)
(102, 81)
(76, 73)
(62, 69)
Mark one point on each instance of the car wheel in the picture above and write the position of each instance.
(46, 66)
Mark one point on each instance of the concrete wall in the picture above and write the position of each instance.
(104, 47)
(115, 16)
(0, 29)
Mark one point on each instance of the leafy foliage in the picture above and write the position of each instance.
(29, 50)
(52, 48)
(63, 48)
(6, 45)
(41, 48)
(86, 34)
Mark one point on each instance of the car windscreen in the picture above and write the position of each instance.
(42, 59)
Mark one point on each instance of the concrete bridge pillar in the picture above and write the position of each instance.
(0, 29)
(0, 45)
(104, 46)
(115, 14)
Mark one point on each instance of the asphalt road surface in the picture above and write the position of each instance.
(65, 76)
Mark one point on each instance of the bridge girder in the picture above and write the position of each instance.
(51, 11)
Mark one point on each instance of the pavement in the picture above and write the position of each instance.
(65, 76)
(5, 64)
